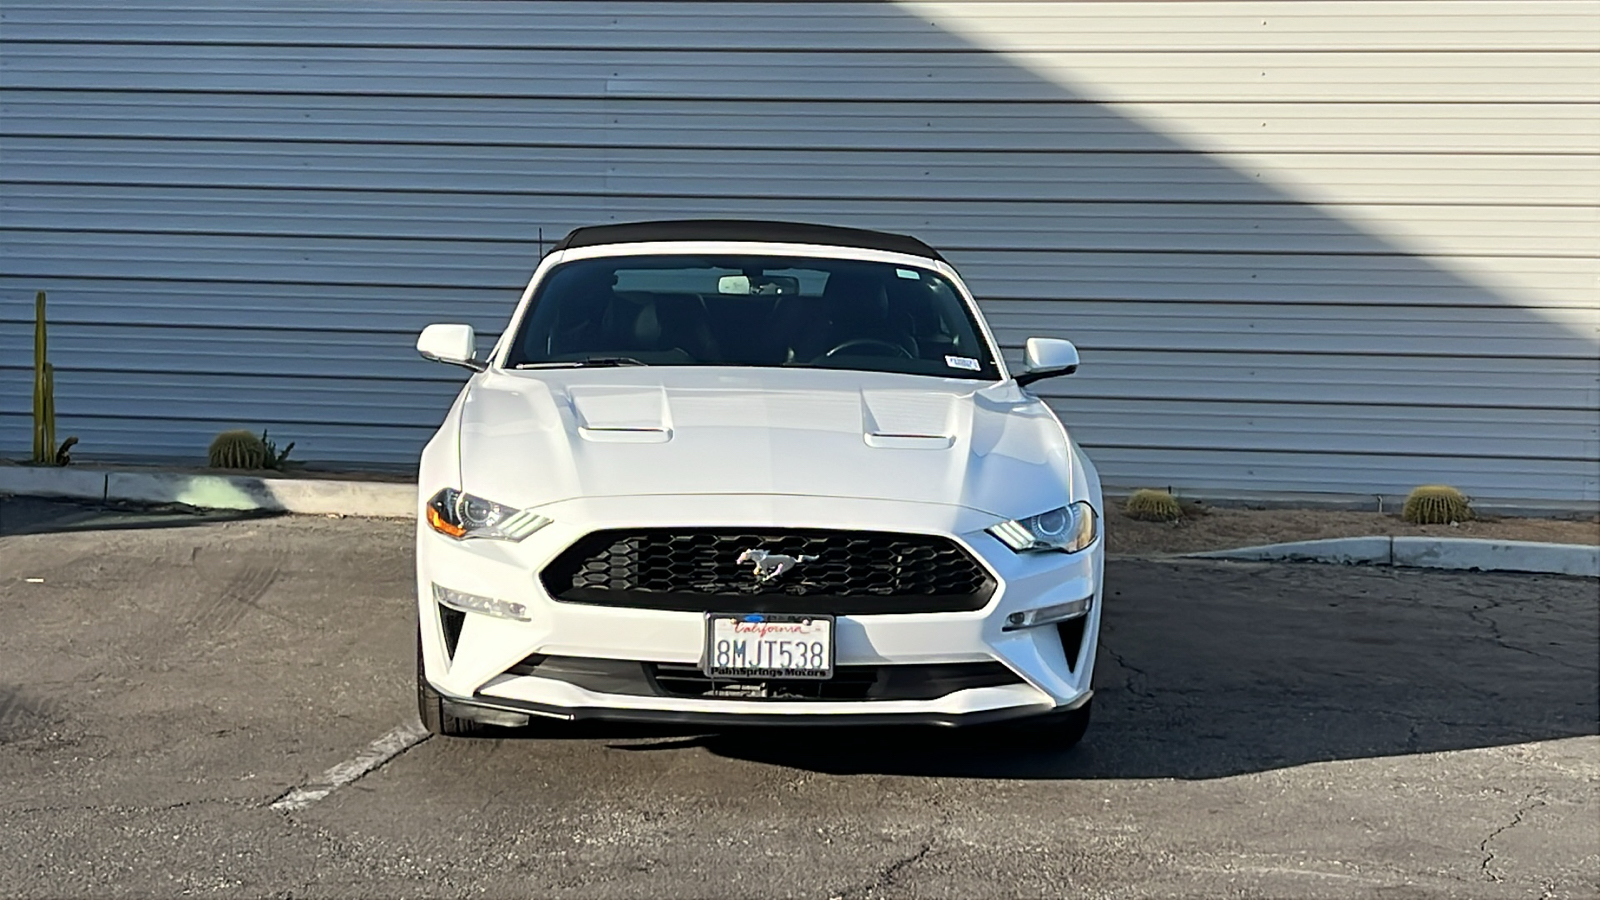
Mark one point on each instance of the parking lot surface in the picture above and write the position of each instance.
(1260, 731)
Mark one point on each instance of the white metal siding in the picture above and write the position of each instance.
(1304, 246)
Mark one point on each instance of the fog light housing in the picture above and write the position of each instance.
(474, 603)
(1048, 615)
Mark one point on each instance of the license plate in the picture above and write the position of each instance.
(768, 645)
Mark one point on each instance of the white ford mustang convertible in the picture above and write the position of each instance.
(720, 473)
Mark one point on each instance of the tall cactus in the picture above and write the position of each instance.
(44, 393)
(45, 451)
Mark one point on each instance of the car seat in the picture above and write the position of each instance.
(663, 327)
(856, 306)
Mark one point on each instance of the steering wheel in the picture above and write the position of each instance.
(893, 348)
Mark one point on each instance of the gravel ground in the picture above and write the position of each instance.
(1226, 528)
(1261, 731)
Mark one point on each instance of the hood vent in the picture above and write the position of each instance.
(910, 441)
(625, 435)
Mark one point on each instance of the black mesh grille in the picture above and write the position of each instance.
(853, 572)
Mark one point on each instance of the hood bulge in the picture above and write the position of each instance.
(529, 439)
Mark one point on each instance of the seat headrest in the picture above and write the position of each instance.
(855, 297)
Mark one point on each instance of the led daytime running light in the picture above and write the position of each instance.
(1067, 529)
(474, 603)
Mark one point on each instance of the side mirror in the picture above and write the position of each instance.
(1047, 358)
(453, 344)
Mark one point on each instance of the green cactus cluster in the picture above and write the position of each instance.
(275, 457)
(1436, 504)
(1148, 505)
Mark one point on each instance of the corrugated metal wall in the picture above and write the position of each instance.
(1309, 246)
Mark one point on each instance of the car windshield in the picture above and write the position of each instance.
(751, 310)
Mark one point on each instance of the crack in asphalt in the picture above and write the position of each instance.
(1127, 681)
(893, 870)
(1532, 801)
(1479, 615)
(123, 808)
(1413, 739)
(888, 875)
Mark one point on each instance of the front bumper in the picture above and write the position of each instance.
(1052, 664)
(855, 717)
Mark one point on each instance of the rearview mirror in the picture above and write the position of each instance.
(763, 286)
(1047, 358)
(453, 344)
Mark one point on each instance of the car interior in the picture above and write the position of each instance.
(811, 313)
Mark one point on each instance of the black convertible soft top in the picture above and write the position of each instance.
(745, 230)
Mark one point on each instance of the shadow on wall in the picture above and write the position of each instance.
(1233, 334)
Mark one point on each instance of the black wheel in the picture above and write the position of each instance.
(430, 708)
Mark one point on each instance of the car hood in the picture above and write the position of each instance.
(542, 436)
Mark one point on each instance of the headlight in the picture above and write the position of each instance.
(460, 515)
(1068, 529)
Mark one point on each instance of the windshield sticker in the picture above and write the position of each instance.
(912, 274)
(961, 362)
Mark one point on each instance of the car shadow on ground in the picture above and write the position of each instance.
(1209, 670)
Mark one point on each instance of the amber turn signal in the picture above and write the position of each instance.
(439, 524)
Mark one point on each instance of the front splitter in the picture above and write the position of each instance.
(465, 709)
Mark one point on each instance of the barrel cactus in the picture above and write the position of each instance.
(1153, 506)
(238, 450)
(1436, 504)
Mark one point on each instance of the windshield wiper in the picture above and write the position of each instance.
(594, 361)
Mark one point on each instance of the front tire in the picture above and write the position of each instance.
(430, 708)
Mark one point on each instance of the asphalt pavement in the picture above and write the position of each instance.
(1261, 730)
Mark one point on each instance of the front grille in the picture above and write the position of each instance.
(867, 683)
(854, 572)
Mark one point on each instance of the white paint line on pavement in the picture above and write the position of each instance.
(377, 753)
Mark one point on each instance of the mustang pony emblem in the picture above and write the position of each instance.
(771, 565)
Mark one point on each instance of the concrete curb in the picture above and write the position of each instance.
(1429, 553)
(389, 500)
(309, 496)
